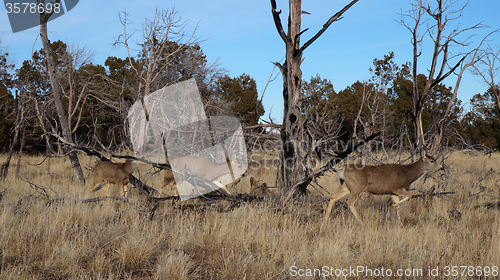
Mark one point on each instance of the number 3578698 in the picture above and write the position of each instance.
(23, 8)
(471, 271)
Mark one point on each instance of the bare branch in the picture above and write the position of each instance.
(334, 18)
(475, 56)
(277, 22)
(440, 79)
(441, 16)
(490, 71)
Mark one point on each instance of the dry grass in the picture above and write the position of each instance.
(112, 239)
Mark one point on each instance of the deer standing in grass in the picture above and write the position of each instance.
(106, 172)
(393, 179)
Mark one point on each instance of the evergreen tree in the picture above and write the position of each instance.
(241, 96)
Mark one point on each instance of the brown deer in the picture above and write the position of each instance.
(393, 179)
(106, 172)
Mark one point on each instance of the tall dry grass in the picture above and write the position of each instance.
(68, 239)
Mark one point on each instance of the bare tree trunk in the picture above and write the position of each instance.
(291, 129)
(66, 131)
(496, 92)
(20, 153)
(419, 130)
(4, 168)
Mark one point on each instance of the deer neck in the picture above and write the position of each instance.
(415, 170)
(129, 166)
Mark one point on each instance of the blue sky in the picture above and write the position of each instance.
(242, 36)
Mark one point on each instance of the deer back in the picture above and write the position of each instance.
(113, 172)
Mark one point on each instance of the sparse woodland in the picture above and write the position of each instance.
(54, 128)
(48, 232)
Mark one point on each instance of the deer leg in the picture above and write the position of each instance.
(395, 199)
(401, 192)
(108, 186)
(336, 196)
(172, 186)
(397, 202)
(125, 189)
(351, 202)
(91, 189)
(96, 186)
(222, 187)
(163, 184)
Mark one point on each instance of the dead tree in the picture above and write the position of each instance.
(163, 38)
(434, 21)
(56, 92)
(167, 55)
(475, 56)
(488, 70)
(292, 126)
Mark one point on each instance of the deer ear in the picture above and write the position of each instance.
(422, 153)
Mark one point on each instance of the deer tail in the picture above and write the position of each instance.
(342, 180)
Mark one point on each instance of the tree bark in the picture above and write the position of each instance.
(292, 132)
(419, 130)
(56, 92)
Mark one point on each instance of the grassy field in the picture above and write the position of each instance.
(46, 232)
